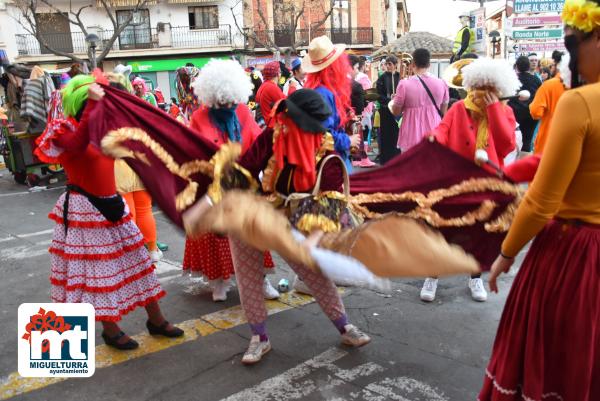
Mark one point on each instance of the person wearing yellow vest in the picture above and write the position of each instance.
(465, 39)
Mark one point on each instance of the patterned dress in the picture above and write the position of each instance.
(94, 260)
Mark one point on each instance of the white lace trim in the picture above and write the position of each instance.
(513, 392)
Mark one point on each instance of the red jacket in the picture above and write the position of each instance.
(205, 128)
(458, 131)
(268, 94)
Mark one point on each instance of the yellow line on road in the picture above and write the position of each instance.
(14, 384)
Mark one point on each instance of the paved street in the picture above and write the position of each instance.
(420, 352)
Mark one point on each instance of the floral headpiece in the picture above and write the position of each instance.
(581, 14)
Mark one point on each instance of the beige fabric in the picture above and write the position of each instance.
(395, 246)
(126, 179)
(392, 246)
(257, 223)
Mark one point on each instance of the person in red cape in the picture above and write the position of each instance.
(547, 345)
(223, 89)
(98, 254)
(479, 123)
(298, 145)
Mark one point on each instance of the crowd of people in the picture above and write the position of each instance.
(301, 134)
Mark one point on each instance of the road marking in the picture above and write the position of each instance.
(14, 384)
(30, 192)
(25, 251)
(28, 235)
(296, 383)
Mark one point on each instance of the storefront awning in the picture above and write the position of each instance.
(126, 3)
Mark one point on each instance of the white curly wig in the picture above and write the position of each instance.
(488, 72)
(222, 82)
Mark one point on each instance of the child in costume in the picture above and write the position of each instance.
(481, 122)
(97, 251)
(291, 155)
(223, 89)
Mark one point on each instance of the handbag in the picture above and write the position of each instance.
(431, 97)
(328, 211)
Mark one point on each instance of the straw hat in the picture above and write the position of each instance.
(321, 54)
(453, 73)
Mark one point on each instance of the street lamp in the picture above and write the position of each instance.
(92, 40)
(495, 35)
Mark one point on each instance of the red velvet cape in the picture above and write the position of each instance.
(429, 166)
(120, 109)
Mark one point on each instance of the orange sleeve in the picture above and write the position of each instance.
(558, 166)
(541, 103)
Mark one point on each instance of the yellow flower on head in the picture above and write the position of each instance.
(594, 17)
(581, 14)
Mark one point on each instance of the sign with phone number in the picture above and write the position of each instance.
(538, 6)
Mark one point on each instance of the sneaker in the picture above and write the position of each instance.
(478, 292)
(269, 291)
(429, 289)
(354, 337)
(365, 163)
(219, 292)
(300, 286)
(156, 255)
(256, 350)
(356, 163)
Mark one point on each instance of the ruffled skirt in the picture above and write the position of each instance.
(100, 262)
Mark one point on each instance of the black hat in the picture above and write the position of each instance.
(307, 109)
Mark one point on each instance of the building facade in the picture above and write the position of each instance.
(165, 35)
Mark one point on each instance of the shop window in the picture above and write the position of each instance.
(204, 17)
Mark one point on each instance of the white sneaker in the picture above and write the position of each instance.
(219, 292)
(429, 289)
(354, 337)
(256, 350)
(300, 286)
(478, 292)
(156, 255)
(269, 291)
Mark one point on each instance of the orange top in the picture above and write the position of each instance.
(567, 183)
(543, 107)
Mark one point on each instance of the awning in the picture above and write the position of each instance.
(192, 1)
(125, 3)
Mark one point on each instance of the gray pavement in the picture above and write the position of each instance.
(420, 352)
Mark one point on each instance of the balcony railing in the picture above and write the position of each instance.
(301, 37)
(135, 38)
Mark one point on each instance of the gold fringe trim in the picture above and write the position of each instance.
(425, 204)
(311, 222)
(224, 159)
(112, 144)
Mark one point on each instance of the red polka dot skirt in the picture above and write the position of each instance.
(209, 256)
(99, 262)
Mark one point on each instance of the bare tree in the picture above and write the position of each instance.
(29, 19)
(291, 14)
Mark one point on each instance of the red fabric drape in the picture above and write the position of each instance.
(119, 109)
(429, 166)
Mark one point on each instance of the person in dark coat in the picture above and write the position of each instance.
(386, 88)
(521, 108)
